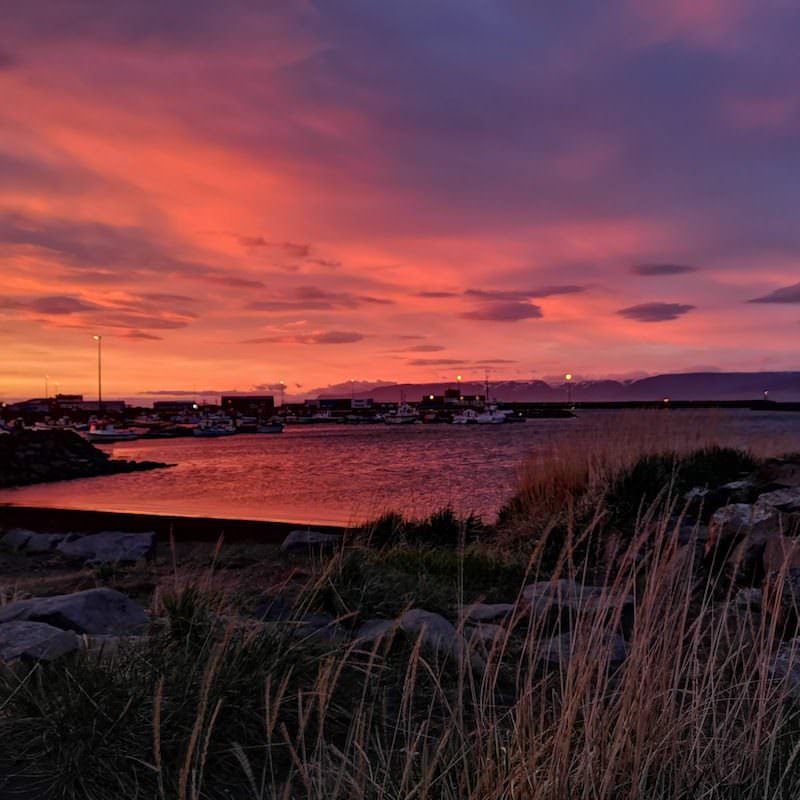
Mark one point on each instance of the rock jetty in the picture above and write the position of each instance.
(41, 456)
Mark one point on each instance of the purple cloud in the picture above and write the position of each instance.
(524, 294)
(435, 295)
(655, 312)
(788, 294)
(313, 298)
(504, 312)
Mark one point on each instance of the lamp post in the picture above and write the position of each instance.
(568, 379)
(283, 389)
(99, 340)
(46, 387)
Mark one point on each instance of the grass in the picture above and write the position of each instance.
(211, 706)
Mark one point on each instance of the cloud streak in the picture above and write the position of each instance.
(655, 312)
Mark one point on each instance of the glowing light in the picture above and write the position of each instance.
(568, 376)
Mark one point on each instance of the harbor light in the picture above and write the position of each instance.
(568, 376)
(99, 340)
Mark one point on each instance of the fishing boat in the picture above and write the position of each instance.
(213, 427)
(404, 414)
(469, 416)
(100, 432)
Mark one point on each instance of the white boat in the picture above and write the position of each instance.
(468, 416)
(492, 416)
(105, 432)
(404, 414)
(215, 426)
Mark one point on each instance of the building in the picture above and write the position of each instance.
(69, 402)
(170, 408)
(248, 405)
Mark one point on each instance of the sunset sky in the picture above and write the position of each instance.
(234, 193)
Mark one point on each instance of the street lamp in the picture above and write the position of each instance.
(99, 340)
(283, 389)
(46, 387)
(568, 379)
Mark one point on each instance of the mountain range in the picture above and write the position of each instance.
(782, 386)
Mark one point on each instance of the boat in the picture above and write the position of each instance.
(213, 427)
(100, 432)
(270, 427)
(493, 416)
(404, 414)
(469, 416)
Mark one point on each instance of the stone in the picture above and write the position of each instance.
(560, 650)
(45, 542)
(739, 521)
(749, 599)
(779, 472)
(785, 666)
(783, 499)
(740, 491)
(374, 629)
(110, 547)
(781, 554)
(486, 612)
(311, 540)
(485, 633)
(16, 539)
(95, 611)
(557, 604)
(34, 640)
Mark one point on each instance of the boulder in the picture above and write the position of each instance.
(787, 500)
(560, 650)
(311, 540)
(96, 611)
(780, 473)
(740, 491)
(110, 547)
(486, 612)
(45, 542)
(781, 554)
(437, 633)
(737, 535)
(785, 666)
(484, 633)
(16, 539)
(374, 629)
(557, 604)
(34, 640)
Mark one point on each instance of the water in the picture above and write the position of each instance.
(345, 474)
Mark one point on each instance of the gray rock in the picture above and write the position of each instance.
(45, 542)
(560, 650)
(486, 612)
(485, 633)
(96, 611)
(780, 473)
(374, 629)
(439, 634)
(110, 547)
(310, 540)
(16, 539)
(781, 554)
(782, 499)
(748, 599)
(34, 640)
(756, 523)
(557, 604)
(785, 666)
(697, 493)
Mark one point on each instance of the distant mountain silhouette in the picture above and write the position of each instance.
(782, 386)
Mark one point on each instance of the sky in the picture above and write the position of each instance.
(233, 194)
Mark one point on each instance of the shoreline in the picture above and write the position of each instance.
(47, 519)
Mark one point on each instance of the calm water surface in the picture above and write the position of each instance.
(343, 474)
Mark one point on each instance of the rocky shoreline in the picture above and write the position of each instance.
(29, 456)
